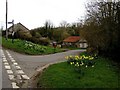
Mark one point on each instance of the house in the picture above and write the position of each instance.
(18, 28)
(75, 41)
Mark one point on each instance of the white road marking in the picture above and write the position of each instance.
(25, 77)
(3, 58)
(6, 63)
(15, 63)
(7, 67)
(14, 85)
(11, 59)
(11, 77)
(17, 71)
(18, 67)
(8, 53)
(9, 71)
(20, 72)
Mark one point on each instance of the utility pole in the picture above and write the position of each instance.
(6, 19)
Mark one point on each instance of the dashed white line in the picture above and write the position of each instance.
(7, 67)
(15, 63)
(4, 60)
(25, 77)
(11, 77)
(10, 56)
(6, 63)
(18, 67)
(14, 85)
(20, 72)
(9, 71)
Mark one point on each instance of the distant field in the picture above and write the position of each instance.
(27, 47)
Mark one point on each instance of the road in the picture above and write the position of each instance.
(17, 67)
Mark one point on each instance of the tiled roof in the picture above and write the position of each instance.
(72, 39)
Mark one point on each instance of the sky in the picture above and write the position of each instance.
(34, 13)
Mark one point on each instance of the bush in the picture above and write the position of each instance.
(44, 41)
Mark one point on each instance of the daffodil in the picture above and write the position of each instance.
(71, 63)
(77, 63)
(80, 57)
(91, 58)
(70, 56)
(67, 57)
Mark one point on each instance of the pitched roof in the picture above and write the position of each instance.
(18, 26)
(72, 39)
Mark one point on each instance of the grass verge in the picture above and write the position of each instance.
(63, 75)
(28, 47)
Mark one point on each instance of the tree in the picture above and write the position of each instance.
(102, 27)
(60, 34)
(64, 24)
(48, 28)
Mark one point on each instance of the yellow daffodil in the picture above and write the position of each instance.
(70, 56)
(71, 63)
(67, 57)
(80, 57)
(91, 58)
(77, 63)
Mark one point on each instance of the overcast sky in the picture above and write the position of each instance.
(34, 13)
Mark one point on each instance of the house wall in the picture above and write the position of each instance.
(83, 45)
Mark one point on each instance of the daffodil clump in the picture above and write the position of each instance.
(30, 45)
(79, 62)
(82, 60)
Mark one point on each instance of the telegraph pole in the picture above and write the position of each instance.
(6, 19)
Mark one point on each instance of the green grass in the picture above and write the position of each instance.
(63, 75)
(23, 47)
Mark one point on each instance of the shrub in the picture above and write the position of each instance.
(44, 41)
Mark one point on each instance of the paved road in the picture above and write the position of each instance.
(28, 64)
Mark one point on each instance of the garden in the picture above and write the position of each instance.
(84, 71)
(28, 47)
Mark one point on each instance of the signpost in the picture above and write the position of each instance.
(12, 30)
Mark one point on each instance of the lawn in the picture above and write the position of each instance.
(27, 47)
(63, 75)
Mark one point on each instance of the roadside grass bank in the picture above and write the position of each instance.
(27, 47)
(104, 74)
